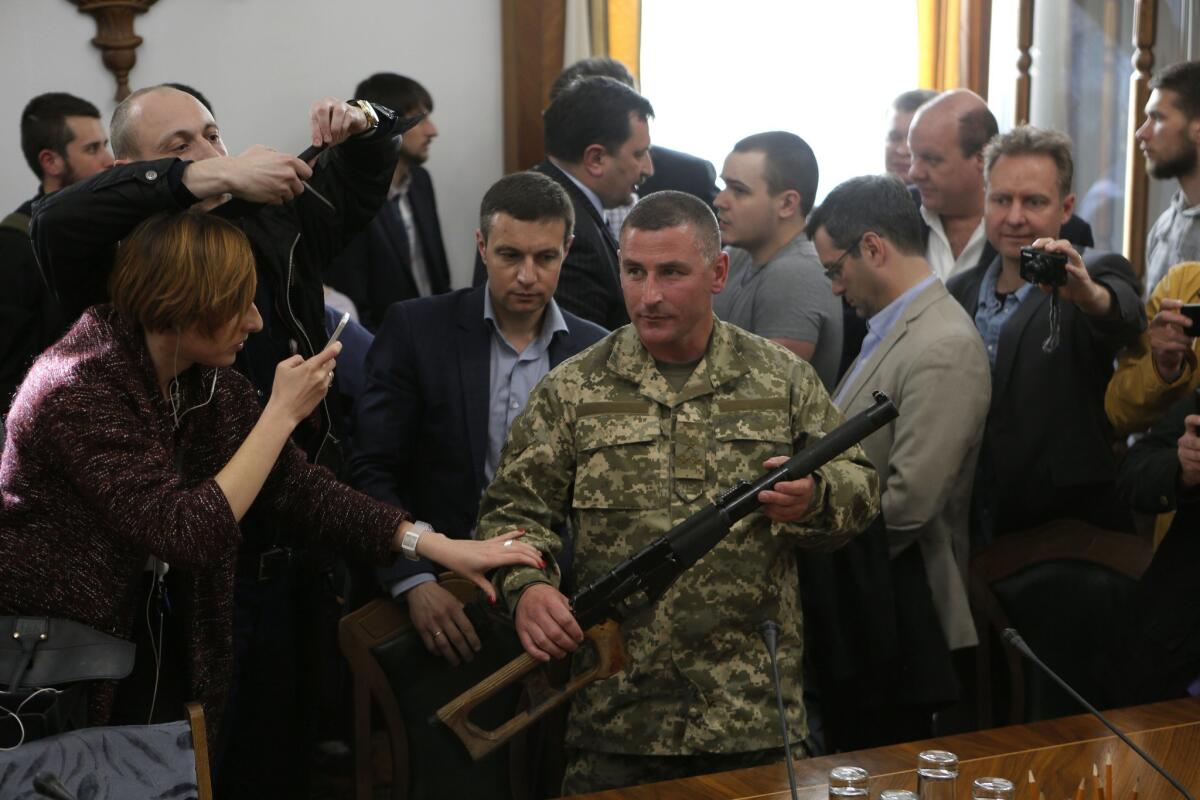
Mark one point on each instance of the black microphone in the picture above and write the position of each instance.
(1011, 636)
(770, 635)
(48, 785)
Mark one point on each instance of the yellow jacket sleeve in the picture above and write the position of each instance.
(1137, 396)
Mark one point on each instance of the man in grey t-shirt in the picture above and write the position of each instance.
(776, 287)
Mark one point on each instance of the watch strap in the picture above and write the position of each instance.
(408, 542)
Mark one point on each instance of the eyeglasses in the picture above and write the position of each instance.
(834, 270)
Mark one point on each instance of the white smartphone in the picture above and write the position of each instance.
(338, 330)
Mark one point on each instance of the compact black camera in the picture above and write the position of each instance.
(1038, 266)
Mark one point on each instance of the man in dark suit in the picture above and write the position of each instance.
(1047, 450)
(673, 170)
(401, 254)
(597, 139)
(447, 375)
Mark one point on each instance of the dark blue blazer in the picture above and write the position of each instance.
(422, 421)
(375, 269)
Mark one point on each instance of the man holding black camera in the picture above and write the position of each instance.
(1047, 446)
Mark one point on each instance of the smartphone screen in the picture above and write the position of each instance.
(1192, 312)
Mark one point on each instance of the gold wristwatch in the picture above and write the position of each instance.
(368, 111)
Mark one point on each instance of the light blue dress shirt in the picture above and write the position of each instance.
(992, 313)
(878, 327)
(513, 376)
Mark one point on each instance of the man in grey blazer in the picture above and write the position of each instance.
(923, 350)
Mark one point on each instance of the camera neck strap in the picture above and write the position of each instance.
(1051, 343)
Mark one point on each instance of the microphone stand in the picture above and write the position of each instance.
(770, 635)
(1011, 636)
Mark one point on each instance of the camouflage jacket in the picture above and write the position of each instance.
(605, 440)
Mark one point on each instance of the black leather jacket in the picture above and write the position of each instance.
(76, 230)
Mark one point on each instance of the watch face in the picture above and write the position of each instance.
(408, 544)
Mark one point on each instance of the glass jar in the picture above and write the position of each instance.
(992, 789)
(937, 772)
(849, 783)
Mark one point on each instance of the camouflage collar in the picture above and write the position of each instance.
(722, 363)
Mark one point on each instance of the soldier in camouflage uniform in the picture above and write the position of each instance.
(631, 437)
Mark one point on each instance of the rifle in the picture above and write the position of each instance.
(640, 581)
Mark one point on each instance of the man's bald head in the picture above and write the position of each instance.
(161, 121)
(965, 110)
(946, 142)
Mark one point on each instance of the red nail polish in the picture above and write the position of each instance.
(492, 600)
(541, 565)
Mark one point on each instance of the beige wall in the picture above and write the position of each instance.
(261, 62)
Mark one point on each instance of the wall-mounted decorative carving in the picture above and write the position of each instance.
(114, 35)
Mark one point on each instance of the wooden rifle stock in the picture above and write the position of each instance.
(543, 697)
(604, 603)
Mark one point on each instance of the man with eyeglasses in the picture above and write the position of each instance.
(919, 341)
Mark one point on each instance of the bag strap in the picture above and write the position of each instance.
(29, 632)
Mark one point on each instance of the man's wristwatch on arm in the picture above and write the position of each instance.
(368, 111)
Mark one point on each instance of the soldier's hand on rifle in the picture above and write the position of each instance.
(438, 616)
(789, 501)
(545, 625)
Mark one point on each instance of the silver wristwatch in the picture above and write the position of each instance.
(408, 542)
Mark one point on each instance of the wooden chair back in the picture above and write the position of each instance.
(392, 672)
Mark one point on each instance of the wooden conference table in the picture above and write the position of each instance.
(1059, 752)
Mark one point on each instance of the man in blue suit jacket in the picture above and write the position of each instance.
(448, 374)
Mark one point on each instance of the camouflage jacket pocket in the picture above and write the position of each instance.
(746, 438)
(620, 461)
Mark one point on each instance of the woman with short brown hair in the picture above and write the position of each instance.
(131, 438)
